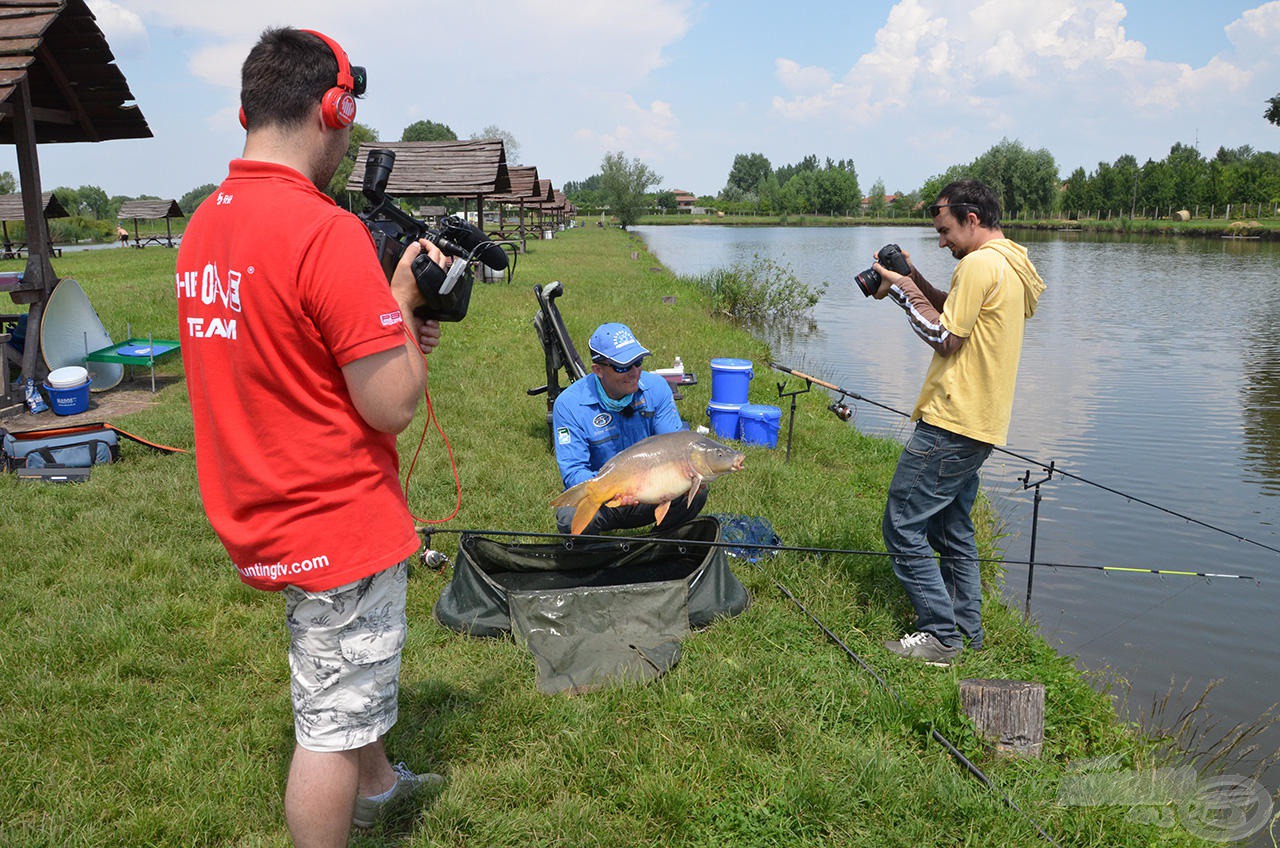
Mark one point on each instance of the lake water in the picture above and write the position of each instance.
(1152, 367)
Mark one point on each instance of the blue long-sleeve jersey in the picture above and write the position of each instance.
(587, 435)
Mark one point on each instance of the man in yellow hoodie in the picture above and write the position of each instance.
(975, 329)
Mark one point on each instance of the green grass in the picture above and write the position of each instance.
(146, 690)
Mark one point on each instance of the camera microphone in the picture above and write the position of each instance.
(377, 170)
(472, 240)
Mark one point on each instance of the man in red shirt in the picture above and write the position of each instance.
(302, 366)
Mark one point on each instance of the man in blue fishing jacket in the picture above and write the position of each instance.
(606, 412)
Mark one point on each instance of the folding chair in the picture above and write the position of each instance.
(557, 349)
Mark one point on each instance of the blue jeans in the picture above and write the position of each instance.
(927, 511)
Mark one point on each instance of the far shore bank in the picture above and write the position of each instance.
(1261, 229)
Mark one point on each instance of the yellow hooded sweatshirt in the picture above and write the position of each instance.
(994, 289)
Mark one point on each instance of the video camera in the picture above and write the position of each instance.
(447, 294)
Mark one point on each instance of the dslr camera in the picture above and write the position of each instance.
(890, 256)
(447, 293)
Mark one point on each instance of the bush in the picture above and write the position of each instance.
(78, 228)
(759, 292)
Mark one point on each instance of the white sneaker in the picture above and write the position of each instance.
(924, 646)
(407, 784)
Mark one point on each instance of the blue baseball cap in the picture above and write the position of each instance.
(617, 344)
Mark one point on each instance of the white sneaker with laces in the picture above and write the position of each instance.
(407, 783)
(923, 646)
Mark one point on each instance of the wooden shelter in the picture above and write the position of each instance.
(151, 210)
(544, 197)
(524, 188)
(553, 206)
(11, 210)
(58, 83)
(457, 169)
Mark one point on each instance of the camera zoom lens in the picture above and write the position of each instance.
(868, 281)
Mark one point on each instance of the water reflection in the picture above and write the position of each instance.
(1152, 367)
(1260, 395)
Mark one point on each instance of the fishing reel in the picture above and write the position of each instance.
(841, 410)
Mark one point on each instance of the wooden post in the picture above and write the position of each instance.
(38, 278)
(1009, 714)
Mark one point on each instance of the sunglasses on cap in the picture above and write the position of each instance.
(965, 208)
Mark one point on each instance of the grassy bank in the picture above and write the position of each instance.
(146, 698)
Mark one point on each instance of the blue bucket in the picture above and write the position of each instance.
(724, 419)
(730, 379)
(70, 401)
(759, 424)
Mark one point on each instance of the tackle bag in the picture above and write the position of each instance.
(79, 446)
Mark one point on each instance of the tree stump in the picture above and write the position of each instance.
(1009, 714)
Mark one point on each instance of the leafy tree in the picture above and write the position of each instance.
(1077, 193)
(1021, 178)
(428, 131)
(585, 192)
(1273, 110)
(8, 185)
(666, 201)
(786, 172)
(875, 201)
(509, 144)
(934, 185)
(771, 200)
(835, 190)
(189, 201)
(624, 185)
(94, 202)
(748, 171)
(69, 198)
(337, 188)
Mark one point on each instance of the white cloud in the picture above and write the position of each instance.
(508, 43)
(802, 79)
(124, 29)
(641, 132)
(1053, 74)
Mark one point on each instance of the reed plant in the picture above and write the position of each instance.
(146, 690)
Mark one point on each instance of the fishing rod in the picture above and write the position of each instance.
(625, 543)
(934, 734)
(855, 396)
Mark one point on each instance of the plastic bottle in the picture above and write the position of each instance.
(679, 366)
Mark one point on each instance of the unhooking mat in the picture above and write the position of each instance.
(597, 613)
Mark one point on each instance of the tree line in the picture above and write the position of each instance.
(1027, 181)
(93, 215)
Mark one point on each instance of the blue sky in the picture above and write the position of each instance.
(903, 89)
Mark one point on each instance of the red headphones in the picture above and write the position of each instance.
(338, 105)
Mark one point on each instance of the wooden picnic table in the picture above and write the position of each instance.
(143, 241)
(18, 249)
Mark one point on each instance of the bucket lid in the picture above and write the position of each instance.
(68, 377)
(731, 364)
(723, 407)
(67, 391)
(764, 412)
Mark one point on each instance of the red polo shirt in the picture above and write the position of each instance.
(277, 289)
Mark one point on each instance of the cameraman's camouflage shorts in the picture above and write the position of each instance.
(344, 659)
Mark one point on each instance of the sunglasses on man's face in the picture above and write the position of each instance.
(623, 369)
(964, 208)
